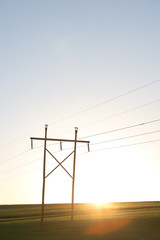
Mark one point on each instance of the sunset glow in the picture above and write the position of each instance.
(93, 65)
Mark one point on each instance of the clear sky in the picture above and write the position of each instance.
(58, 58)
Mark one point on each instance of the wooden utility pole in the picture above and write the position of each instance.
(74, 166)
(44, 172)
(45, 139)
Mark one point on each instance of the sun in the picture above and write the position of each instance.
(102, 204)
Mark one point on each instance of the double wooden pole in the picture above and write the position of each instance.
(45, 139)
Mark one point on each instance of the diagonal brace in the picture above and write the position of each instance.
(60, 163)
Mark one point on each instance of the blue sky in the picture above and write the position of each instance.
(60, 57)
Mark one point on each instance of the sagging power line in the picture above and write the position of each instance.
(91, 150)
(127, 145)
(126, 137)
(121, 113)
(88, 109)
(107, 101)
(19, 154)
(89, 136)
(123, 128)
(95, 143)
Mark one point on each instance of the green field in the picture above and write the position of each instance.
(115, 221)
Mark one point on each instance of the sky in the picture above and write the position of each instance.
(87, 64)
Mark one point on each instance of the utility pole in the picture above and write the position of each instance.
(74, 166)
(45, 139)
(44, 172)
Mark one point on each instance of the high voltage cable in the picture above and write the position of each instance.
(21, 165)
(117, 139)
(23, 153)
(93, 135)
(127, 145)
(122, 146)
(122, 138)
(90, 108)
(107, 101)
(24, 165)
(144, 123)
(121, 113)
(123, 128)
(103, 149)
(15, 140)
(15, 156)
(118, 114)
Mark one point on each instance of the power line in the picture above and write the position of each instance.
(117, 139)
(107, 101)
(123, 128)
(25, 164)
(21, 166)
(121, 113)
(103, 149)
(93, 135)
(14, 156)
(88, 109)
(22, 174)
(127, 145)
(119, 129)
(122, 146)
(19, 154)
(122, 138)
(18, 139)
(117, 114)
(137, 125)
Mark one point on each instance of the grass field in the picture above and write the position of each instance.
(114, 221)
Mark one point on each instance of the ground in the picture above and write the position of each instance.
(116, 221)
